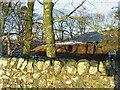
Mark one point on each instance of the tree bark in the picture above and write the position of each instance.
(48, 27)
(2, 26)
(28, 30)
(8, 45)
(1, 30)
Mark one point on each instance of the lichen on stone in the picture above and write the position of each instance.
(93, 70)
(83, 67)
(40, 74)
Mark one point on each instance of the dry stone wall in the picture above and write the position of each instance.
(21, 73)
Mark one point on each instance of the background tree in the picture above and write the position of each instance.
(16, 24)
(6, 11)
(59, 27)
(28, 30)
(71, 26)
(110, 32)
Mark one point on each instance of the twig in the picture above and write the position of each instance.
(62, 18)
(40, 2)
(56, 2)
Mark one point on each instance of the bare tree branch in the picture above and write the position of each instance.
(37, 22)
(40, 2)
(76, 8)
(6, 15)
(62, 18)
(59, 11)
(56, 2)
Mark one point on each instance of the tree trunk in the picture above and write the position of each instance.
(0, 42)
(8, 45)
(28, 30)
(1, 31)
(62, 38)
(48, 27)
(7, 13)
(1, 28)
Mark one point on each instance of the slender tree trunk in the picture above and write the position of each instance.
(42, 35)
(0, 34)
(28, 31)
(8, 38)
(8, 12)
(71, 32)
(0, 42)
(8, 45)
(2, 26)
(1, 31)
(62, 37)
(48, 27)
